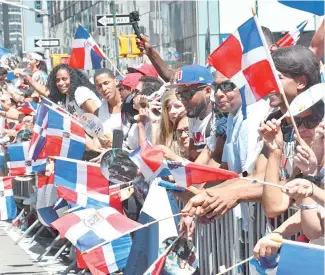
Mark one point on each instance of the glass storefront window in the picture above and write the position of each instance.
(170, 25)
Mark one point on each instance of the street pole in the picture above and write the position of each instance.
(5, 16)
(112, 6)
(256, 7)
(46, 33)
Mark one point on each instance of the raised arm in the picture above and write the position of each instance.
(40, 88)
(274, 201)
(317, 42)
(164, 71)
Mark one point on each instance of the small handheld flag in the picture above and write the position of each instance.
(245, 60)
(293, 36)
(86, 54)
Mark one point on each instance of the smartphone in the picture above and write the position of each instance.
(88, 155)
(118, 137)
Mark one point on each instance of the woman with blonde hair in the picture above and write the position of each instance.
(171, 108)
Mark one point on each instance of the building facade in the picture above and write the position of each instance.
(183, 32)
(162, 21)
(11, 28)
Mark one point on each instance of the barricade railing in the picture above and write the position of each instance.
(224, 243)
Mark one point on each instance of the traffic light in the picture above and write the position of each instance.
(38, 17)
(123, 46)
(125, 41)
(134, 47)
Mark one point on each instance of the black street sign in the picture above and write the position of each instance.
(107, 20)
(47, 43)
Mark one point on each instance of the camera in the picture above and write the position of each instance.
(127, 109)
(134, 18)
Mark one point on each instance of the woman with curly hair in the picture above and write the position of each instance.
(69, 88)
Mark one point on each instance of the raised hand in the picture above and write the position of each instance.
(271, 134)
(305, 159)
(299, 189)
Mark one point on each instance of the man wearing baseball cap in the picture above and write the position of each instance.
(144, 69)
(193, 88)
(128, 84)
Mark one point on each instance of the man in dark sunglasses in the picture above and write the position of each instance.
(193, 88)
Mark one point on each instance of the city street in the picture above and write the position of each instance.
(21, 259)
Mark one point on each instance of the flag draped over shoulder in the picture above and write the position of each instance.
(293, 36)
(243, 58)
(151, 163)
(86, 54)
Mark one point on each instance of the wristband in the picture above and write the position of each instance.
(309, 206)
(314, 179)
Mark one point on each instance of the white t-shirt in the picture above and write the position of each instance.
(81, 95)
(132, 141)
(110, 121)
(197, 131)
(242, 136)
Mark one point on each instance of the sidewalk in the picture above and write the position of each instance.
(21, 259)
(14, 260)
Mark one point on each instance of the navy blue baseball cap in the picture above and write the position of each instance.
(192, 74)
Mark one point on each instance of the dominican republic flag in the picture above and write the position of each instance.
(86, 54)
(293, 36)
(81, 183)
(90, 228)
(54, 106)
(46, 199)
(315, 7)
(147, 241)
(28, 108)
(19, 161)
(245, 59)
(296, 258)
(56, 134)
(157, 267)
(110, 257)
(38, 140)
(151, 163)
(8, 209)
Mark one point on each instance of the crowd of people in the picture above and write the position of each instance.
(191, 113)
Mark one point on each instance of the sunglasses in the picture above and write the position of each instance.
(179, 132)
(188, 93)
(309, 122)
(226, 86)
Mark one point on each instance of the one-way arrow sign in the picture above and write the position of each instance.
(46, 43)
(107, 20)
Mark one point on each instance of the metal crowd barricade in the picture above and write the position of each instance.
(225, 243)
